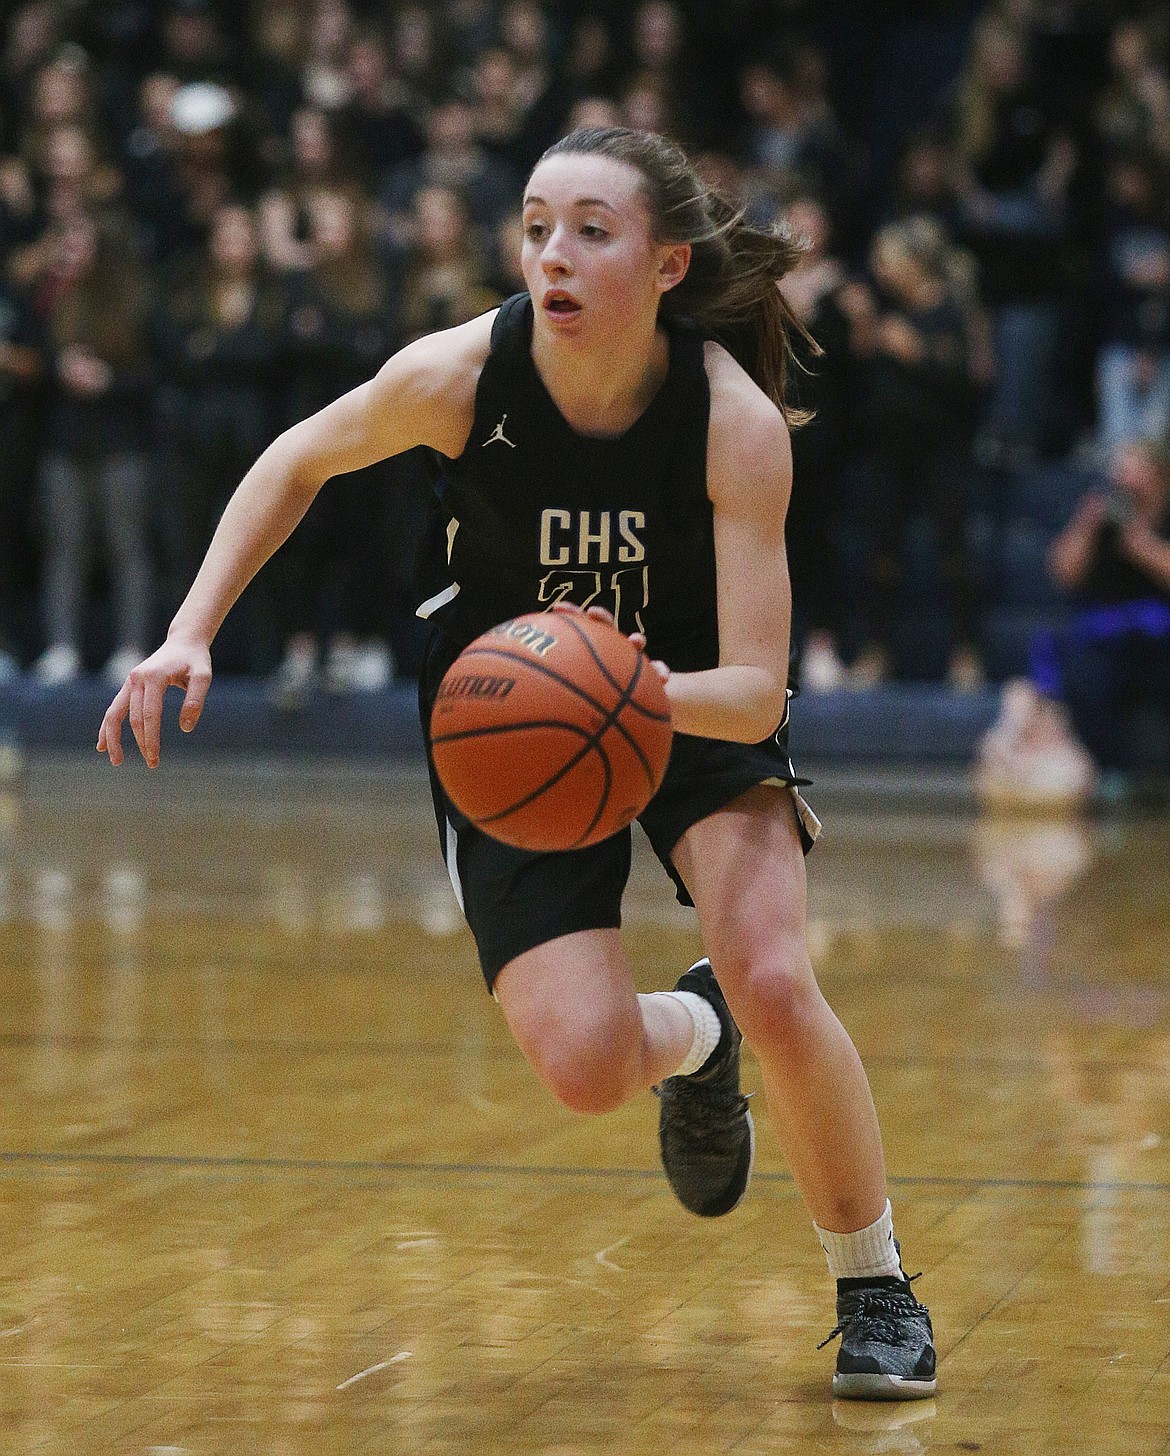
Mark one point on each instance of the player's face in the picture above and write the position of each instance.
(589, 258)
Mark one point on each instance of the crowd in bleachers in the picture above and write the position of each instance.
(216, 217)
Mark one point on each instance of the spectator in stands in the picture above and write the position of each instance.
(662, 86)
(218, 340)
(151, 169)
(1015, 172)
(590, 67)
(915, 415)
(1113, 559)
(504, 275)
(453, 159)
(793, 133)
(59, 150)
(1133, 113)
(74, 179)
(814, 290)
(470, 27)
(20, 219)
(593, 111)
(500, 110)
(340, 331)
(505, 125)
(418, 61)
(925, 183)
(32, 36)
(443, 284)
(68, 184)
(381, 124)
(61, 95)
(21, 366)
(1133, 279)
(647, 104)
(325, 80)
(94, 476)
(205, 175)
(274, 61)
(317, 168)
(193, 45)
(524, 35)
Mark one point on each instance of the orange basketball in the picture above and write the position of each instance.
(551, 731)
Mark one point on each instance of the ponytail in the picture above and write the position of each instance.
(731, 288)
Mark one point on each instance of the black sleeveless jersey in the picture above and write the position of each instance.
(536, 513)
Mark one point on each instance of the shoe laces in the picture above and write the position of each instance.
(711, 1110)
(878, 1314)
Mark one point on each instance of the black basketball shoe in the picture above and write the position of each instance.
(704, 1126)
(887, 1342)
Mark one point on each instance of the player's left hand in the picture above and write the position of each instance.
(600, 614)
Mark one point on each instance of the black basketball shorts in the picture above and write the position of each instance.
(515, 900)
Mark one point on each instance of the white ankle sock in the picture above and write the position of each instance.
(867, 1254)
(704, 1019)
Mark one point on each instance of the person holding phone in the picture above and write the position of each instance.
(1113, 559)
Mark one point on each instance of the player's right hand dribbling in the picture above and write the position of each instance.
(178, 664)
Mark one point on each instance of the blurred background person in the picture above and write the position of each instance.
(792, 134)
(382, 122)
(1133, 283)
(1113, 560)
(1016, 167)
(443, 281)
(219, 337)
(317, 168)
(95, 477)
(444, 275)
(915, 416)
(1133, 111)
(21, 368)
(821, 383)
(331, 574)
(453, 159)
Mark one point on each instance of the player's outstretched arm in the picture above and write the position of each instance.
(424, 395)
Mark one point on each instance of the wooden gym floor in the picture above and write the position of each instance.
(275, 1181)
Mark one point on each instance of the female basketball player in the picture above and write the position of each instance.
(596, 445)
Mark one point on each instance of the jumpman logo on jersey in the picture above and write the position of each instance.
(498, 434)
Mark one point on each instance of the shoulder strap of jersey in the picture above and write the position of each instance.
(510, 330)
(689, 343)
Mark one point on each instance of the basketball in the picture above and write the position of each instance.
(551, 731)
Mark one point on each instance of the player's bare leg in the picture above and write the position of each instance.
(744, 867)
(588, 1035)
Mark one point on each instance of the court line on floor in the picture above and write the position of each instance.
(180, 1163)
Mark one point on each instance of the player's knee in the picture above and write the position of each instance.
(587, 1068)
(778, 997)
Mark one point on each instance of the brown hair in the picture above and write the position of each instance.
(104, 308)
(731, 287)
(974, 112)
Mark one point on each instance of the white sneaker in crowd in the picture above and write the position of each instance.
(870, 669)
(821, 670)
(121, 664)
(291, 685)
(58, 664)
(366, 667)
